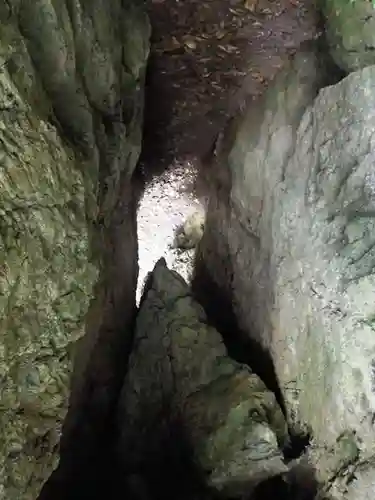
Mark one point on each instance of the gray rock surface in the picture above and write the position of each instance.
(350, 30)
(71, 101)
(180, 375)
(292, 245)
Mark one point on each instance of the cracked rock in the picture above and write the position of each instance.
(180, 377)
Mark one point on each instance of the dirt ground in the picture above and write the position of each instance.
(209, 59)
(164, 206)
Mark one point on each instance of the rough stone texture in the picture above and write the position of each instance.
(350, 30)
(183, 388)
(71, 105)
(290, 240)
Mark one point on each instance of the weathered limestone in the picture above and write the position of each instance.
(290, 239)
(71, 102)
(181, 378)
(350, 30)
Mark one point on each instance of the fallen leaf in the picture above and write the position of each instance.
(190, 42)
(229, 49)
(251, 5)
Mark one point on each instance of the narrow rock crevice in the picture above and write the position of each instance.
(164, 449)
(254, 378)
(89, 447)
(170, 134)
(241, 347)
(88, 464)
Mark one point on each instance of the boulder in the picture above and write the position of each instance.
(182, 389)
(350, 32)
(71, 100)
(289, 242)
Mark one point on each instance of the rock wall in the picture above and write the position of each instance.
(350, 32)
(290, 245)
(71, 78)
(192, 422)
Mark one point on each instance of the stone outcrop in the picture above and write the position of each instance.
(183, 392)
(350, 31)
(289, 242)
(71, 78)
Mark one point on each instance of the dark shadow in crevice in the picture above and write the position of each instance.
(301, 485)
(88, 466)
(168, 470)
(333, 73)
(219, 309)
(215, 180)
(164, 466)
(158, 114)
(300, 482)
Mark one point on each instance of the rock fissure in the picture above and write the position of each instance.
(248, 373)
